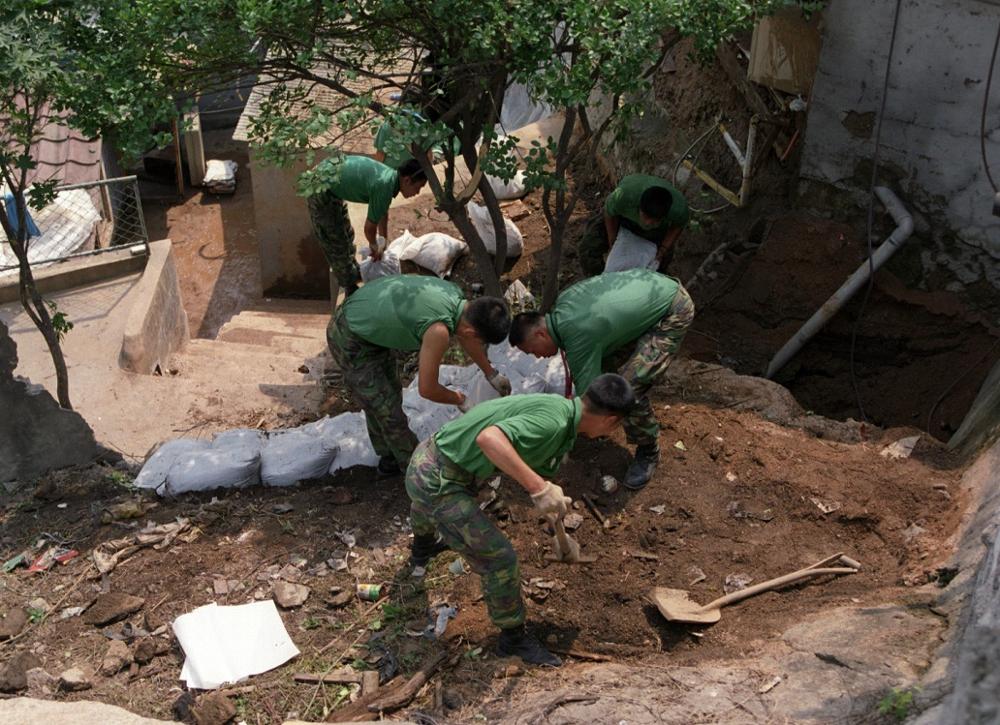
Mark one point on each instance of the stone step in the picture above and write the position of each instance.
(275, 320)
(305, 345)
(232, 350)
(291, 306)
(234, 364)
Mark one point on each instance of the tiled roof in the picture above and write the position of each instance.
(65, 155)
(359, 140)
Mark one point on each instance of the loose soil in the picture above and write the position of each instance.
(738, 500)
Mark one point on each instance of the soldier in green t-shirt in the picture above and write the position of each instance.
(637, 309)
(410, 312)
(362, 180)
(646, 205)
(526, 437)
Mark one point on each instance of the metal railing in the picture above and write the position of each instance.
(85, 220)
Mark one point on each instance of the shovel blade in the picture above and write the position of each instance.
(676, 605)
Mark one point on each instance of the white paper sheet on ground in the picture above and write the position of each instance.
(227, 644)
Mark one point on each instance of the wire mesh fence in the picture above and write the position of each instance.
(84, 219)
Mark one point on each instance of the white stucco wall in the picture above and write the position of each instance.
(930, 136)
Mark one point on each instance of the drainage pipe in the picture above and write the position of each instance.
(904, 227)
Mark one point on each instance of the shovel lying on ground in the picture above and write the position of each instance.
(565, 548)
(676, 605)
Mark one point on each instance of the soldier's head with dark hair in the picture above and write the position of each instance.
(530, 334)
(411, 178)
(606, 402)
(489, 318)
(654, 205)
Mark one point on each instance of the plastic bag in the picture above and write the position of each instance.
(385, 267)
(239, 437)
(630, 251)
(481, 220)
(296, 455)
(351, 434)
(154, 470)
(233, 466)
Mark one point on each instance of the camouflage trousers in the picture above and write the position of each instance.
(648, 364)
(370, 376)
(593, 246)
(333, 230)
(442, 502)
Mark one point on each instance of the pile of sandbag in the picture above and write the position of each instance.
(435, 251)
(239, 458)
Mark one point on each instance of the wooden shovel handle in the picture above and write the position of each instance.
(774, 584)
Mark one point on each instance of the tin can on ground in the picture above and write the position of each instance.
(609, 484)
(369, 592)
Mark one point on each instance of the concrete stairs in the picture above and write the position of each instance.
(274, 342)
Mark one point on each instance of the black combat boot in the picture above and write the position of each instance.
(518, 643)
(387, 467)
(424, 548)
(643, 465)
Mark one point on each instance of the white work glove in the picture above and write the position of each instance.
(552, 500)
(465, 405)
(377, 248)
(500, 383)
(380, 241)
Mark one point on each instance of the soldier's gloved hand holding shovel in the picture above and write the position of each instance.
(500, 383)
(551, 500)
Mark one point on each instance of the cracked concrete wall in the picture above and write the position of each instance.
(930, 134)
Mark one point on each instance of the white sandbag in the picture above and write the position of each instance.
(387, 266)
(481, 220)
(250, 437)
(630, 251)
(154, 470)
(505, 190)
(233, 466)
(351, 434)
(296, 455)
(435, 251)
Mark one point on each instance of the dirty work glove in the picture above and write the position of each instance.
(500, 383)
(377, 248)
(466, 405)
(552, 500)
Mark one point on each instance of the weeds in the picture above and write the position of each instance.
(897, 703)
(36, 615)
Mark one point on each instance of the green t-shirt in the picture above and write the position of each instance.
(363, 180)
(599, 315)
(624, 202)
(383, 135)
(541, 427)
(396, 311)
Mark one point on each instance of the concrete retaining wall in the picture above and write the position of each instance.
(78, 271)
(157, 323)
(930, 134)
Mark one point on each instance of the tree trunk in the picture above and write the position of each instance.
(34, 305)
(485, 263)
(551, 289)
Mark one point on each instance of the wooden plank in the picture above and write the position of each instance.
(734, 69)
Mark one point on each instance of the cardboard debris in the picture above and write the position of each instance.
(784, 52)
(111, 553)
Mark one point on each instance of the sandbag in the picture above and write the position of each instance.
(435, 251)
(387, 266)
(295, 455)
(630, 251)
(250, 437)
(351, 434)
(505, 190)
(233, 466)
(481, 220)
(157, 466)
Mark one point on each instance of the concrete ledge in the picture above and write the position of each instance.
(78, 271)
(157, 323)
